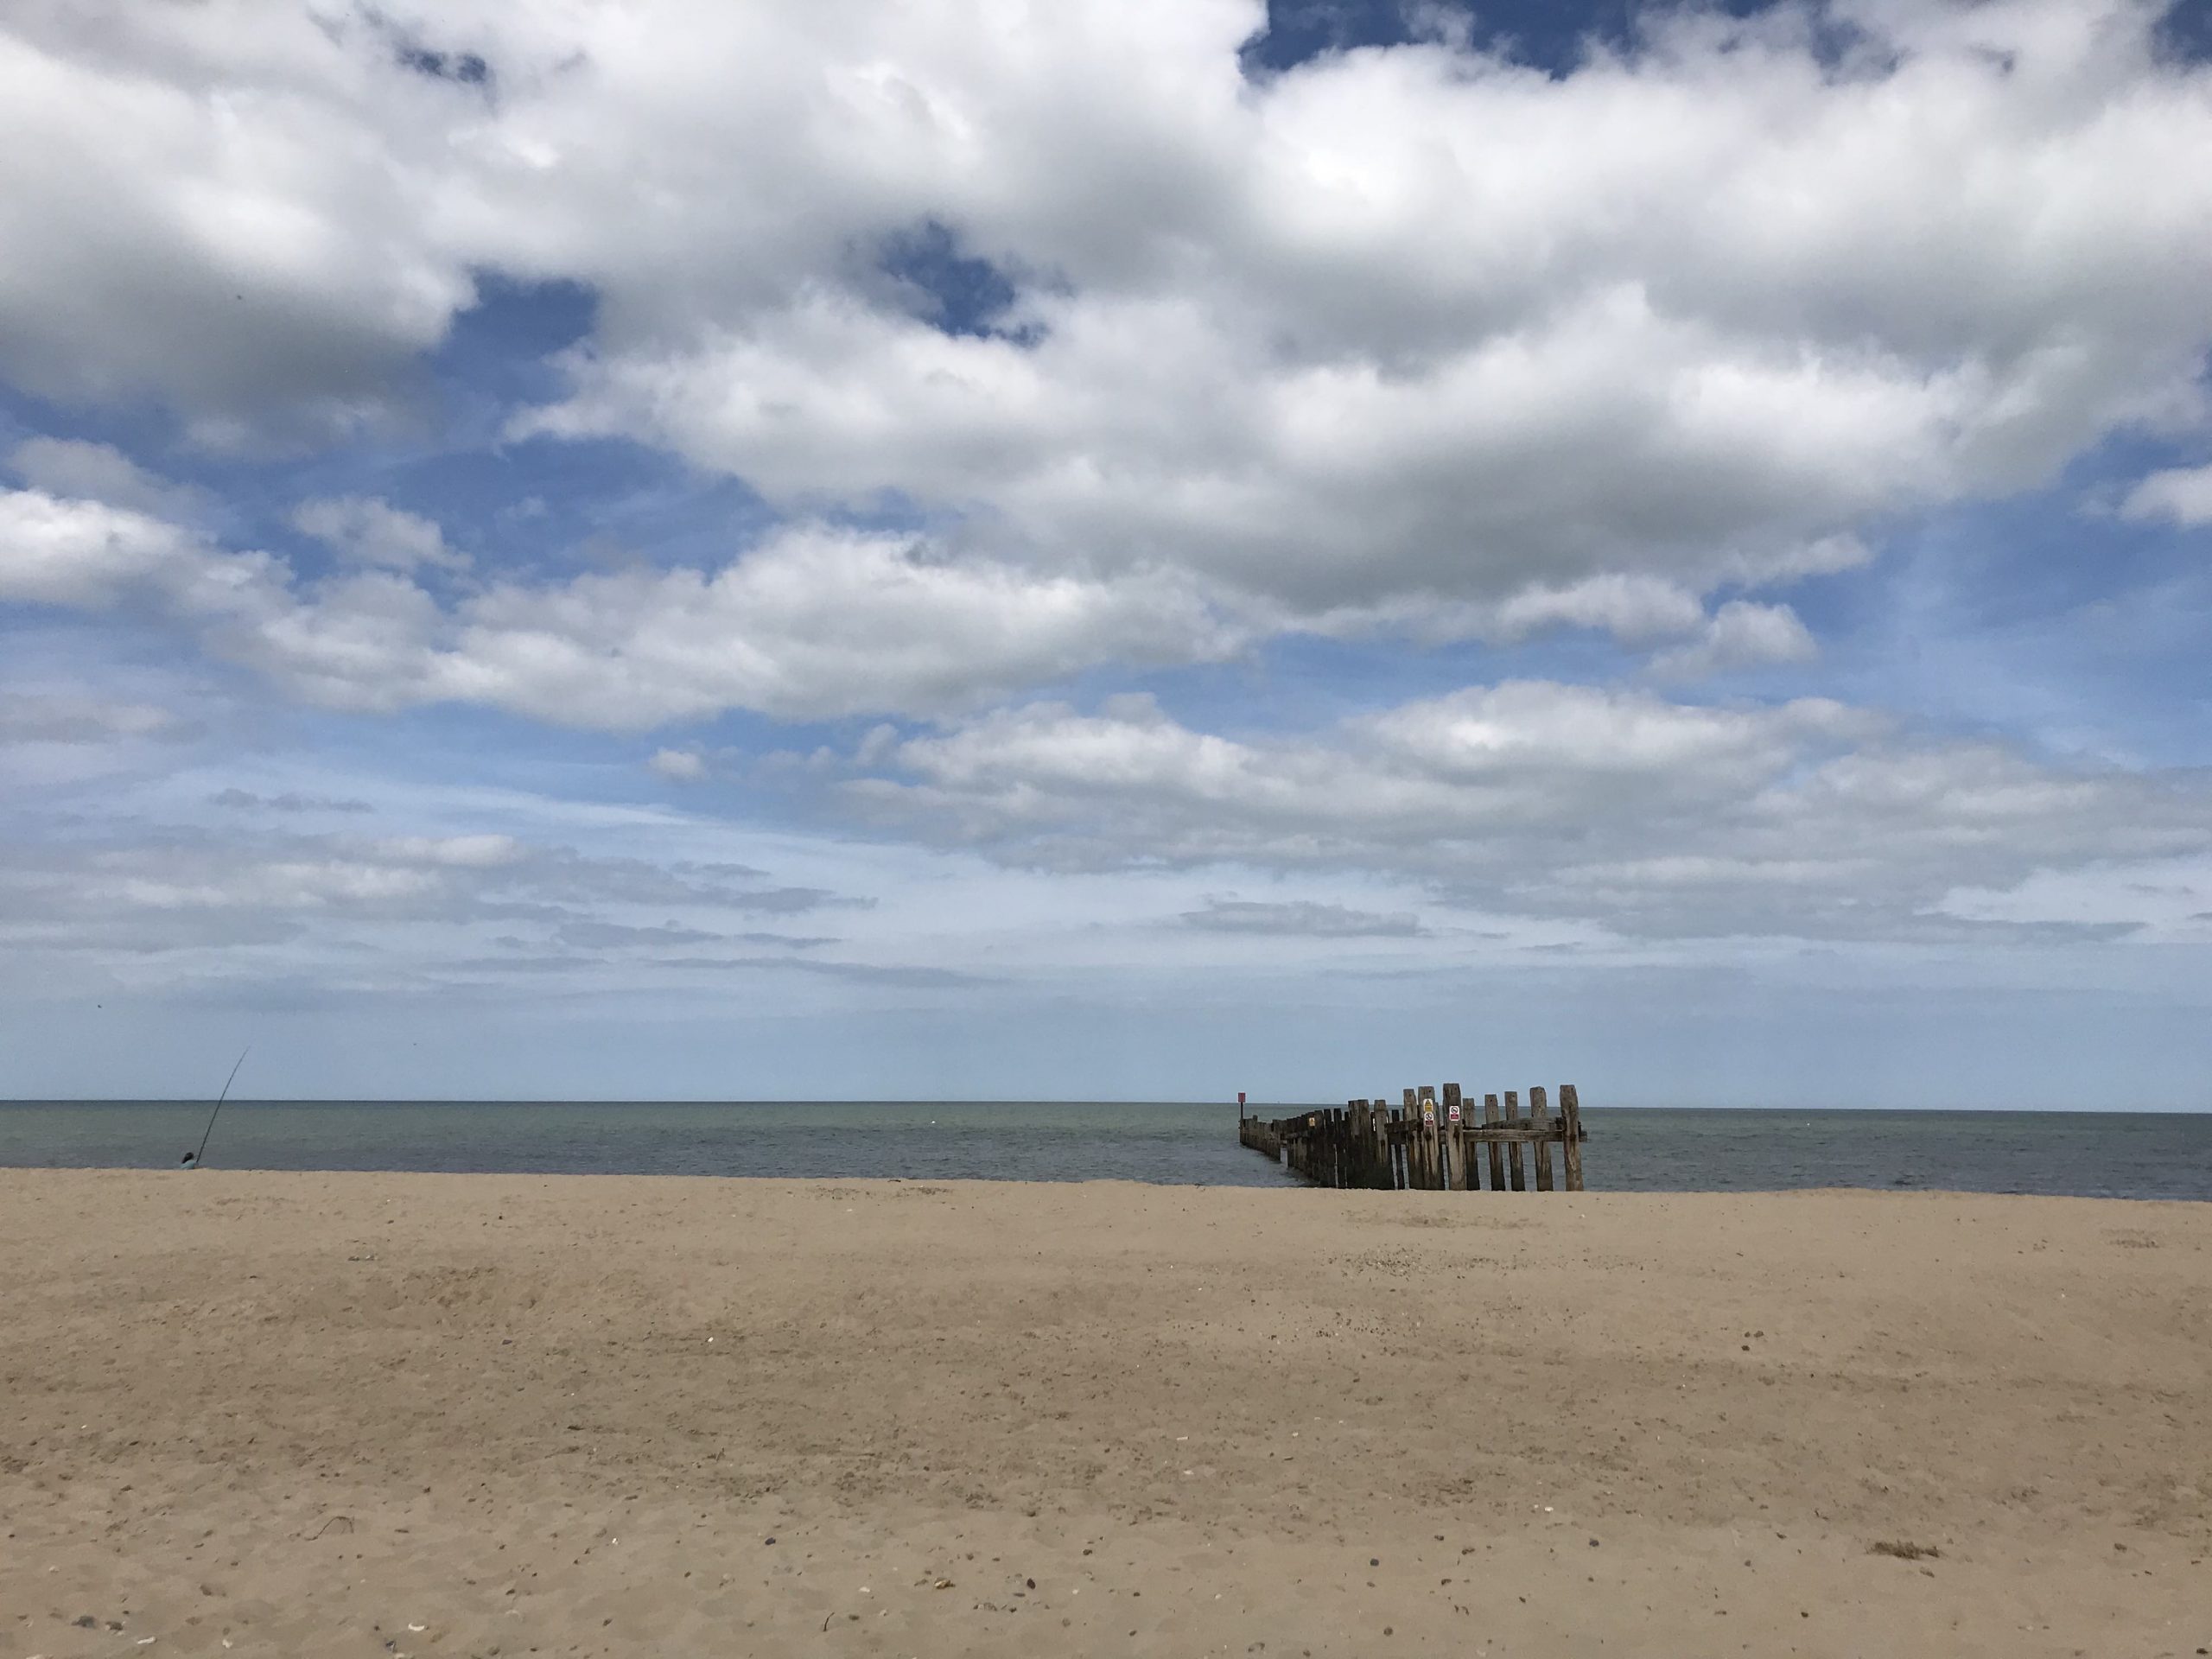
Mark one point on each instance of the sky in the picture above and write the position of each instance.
(1107, 549)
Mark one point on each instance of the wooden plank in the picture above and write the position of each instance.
(1431, 1148)
(1455, 1145)
(1540, 1117)
(1513, 1152)
(1496, 1153)
(1570, 1111)
(1416, 1177)
(1522, 1133)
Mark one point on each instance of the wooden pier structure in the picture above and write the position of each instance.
(1428, 1142)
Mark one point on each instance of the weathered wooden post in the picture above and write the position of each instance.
(1428, 1144)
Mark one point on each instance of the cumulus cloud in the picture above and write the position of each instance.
(1417, 325)
(2181, 496)
(1656, 819)
(1740, 634)
(813, 622)
(90, 555)
(1392, 329)
(266, 249)
(100, 472)
(369, 531)
(1628, 607)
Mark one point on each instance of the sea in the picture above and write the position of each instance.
(2090, 1154)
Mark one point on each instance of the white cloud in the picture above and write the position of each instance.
(460, 852)
(814, 622)
(1628, 607)
(678, 765)
(1415, 326)
(371, 532)
(234, 211)
(90, 555)
(428, 896)
(2181, 496)
(1805, 819)
(2164, 900)
(100, 472)
(1392, 331)
(1740, 634)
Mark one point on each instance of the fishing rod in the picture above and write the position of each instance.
(191, 1158)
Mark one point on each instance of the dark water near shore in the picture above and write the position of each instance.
(2135, 1155)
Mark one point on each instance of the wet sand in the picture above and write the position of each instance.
(377, 1414)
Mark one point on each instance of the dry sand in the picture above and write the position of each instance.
(377, 1414)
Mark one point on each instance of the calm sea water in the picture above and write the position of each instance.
(2148, 1155)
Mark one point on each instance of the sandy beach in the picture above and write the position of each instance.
(370, 1415)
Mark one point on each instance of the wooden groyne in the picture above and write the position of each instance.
(1428, 1142)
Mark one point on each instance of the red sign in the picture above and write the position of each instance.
(1240, 1097)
